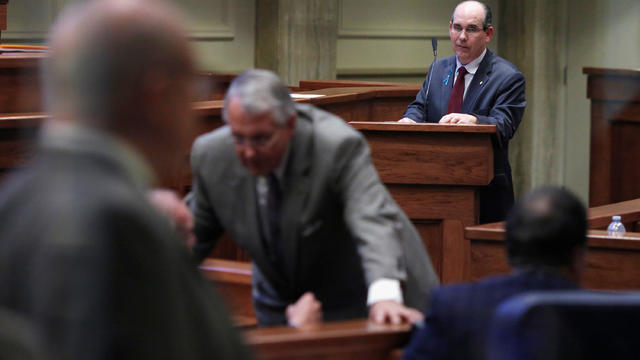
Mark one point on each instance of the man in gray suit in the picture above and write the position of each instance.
(83, 254)
(295, 187)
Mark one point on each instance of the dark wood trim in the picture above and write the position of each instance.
(357, 339)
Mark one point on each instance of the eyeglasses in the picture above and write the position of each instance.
(259, 142)
(472, 30)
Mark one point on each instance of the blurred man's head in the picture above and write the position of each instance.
(547, 228)
(124, 66)
(262, 117)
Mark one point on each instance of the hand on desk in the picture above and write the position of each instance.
(406, 121)
(169, 205)
(389, 311)
(456, 118)
(305, 312)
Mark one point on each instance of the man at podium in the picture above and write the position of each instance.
(295, 187)
(490, 91)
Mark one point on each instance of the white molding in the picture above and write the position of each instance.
(221, 33)
(426, 32)
(225, 30)
(398, 71)
(380, 33)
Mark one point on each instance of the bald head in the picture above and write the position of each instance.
(104, 55)
(475, 8)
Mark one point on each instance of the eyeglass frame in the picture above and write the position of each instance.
(261, 142)
(471, 30)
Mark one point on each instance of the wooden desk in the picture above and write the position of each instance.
(357, 339)
(334, 340)
(615, 129)
(612, 262)
(232, 279)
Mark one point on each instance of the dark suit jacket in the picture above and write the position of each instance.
(341, 230)
(495, 96)
(457, 323)
(86, 258)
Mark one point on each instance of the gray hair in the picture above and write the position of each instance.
(259, 92)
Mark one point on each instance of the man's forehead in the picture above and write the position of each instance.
(471, 13)
(240, 120)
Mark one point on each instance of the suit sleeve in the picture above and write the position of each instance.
(430, 340)
(207, 227)
(369, 212)
(508, 107)
(416, 110)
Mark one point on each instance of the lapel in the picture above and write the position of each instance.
(478, 82)
(446, 82)
(296, 184)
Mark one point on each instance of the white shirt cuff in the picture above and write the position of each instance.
(384, 289)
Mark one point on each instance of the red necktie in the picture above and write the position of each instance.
(455, 100)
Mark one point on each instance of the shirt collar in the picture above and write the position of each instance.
(473, 65)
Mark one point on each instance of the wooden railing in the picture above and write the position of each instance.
(613, 262)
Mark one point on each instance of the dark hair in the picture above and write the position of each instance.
(545, 228)
(488, 17)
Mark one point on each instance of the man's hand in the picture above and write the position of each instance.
(406, 121)
(305, 312)
(168, 204)
(389, 311)
(456, 118)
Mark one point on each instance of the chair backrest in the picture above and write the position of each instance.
(565, 325)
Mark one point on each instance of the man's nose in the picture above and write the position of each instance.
(248, 152)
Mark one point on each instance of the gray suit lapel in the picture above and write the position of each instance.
(296, 184)
(478, 82)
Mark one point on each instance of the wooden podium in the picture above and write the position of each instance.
(433, 172)
(615, 129)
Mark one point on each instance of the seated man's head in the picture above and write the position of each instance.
(262, 116)
(125, 67)
(547, 229)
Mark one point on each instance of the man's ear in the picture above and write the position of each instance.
(489, 34)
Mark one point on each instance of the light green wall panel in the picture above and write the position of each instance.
(222, 31)
(380, 39)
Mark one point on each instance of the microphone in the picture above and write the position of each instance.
(434, 46)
